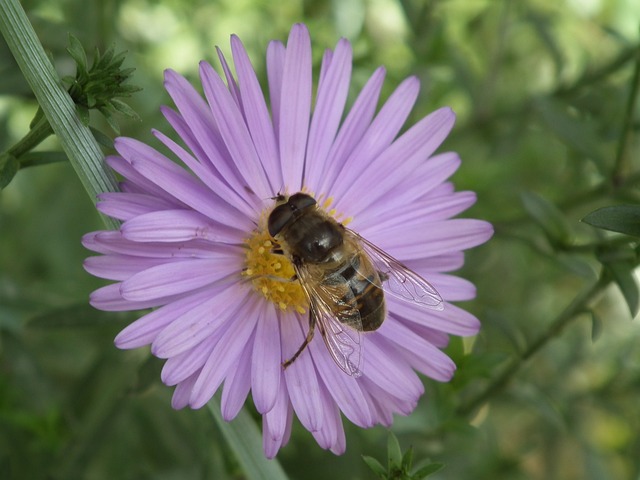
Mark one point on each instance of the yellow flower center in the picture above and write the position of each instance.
(271, 273)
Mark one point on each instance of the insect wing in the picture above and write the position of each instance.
(398, 280)
(342, 342)
(338, 321)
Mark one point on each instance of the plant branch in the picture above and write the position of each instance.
(33, 138)
(244, 438)
(76, 139)
(578, 306)
(621, 161)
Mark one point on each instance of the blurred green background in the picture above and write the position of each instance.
(546, 132)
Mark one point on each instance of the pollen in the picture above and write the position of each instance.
(272, 274)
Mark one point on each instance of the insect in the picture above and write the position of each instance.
(344, 277)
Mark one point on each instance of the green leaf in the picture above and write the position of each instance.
(111, 121)
(619, 218)
(98, 86)
(125, 109)
(428, 470)
(9, 166)
(118, 59)
(617, 253)
(102, 139)
(547, 216)
(76, 51)
(91, 101)
(478, 365)
(576, 132)
(83, 114)
(375, 466)
(407, 460)
(244, 439)
(102, 61)
(127, 90)
(577, 265)
(596, 325)
(394, 452)
(623, 276)
(544, 25)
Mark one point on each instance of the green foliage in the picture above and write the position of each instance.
(619, 263)
(399, 465)
(9, 166)
(245, 441)
(97, 87)
(621, 218)
(545, 94)
(549, 217)
(93, 88)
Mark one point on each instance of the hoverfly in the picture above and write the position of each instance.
(344, 277)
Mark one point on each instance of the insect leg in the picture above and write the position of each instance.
(312, 324)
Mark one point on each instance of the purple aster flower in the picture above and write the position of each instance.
(195, 246)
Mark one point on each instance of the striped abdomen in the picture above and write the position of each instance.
(364, 290)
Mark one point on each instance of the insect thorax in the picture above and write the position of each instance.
(314, 239)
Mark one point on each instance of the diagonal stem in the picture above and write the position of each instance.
(578, 306)
(75, 137)
(244, 438)
(621, 162)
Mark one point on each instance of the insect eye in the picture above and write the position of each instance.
(300, 201)
(278, 219)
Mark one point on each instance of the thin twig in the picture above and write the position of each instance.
(578, 306)
(620, 166)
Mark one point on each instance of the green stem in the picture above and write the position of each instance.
(480, 122)
(578, 306)
(75, 138)
(550, 251)
(244, 438)
(601, 190)
(36, 135)
(627, 126)
(595, 76)
(33, 159)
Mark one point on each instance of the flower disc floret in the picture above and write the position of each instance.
(272, 274)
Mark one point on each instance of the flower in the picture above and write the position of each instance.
(192, 240)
